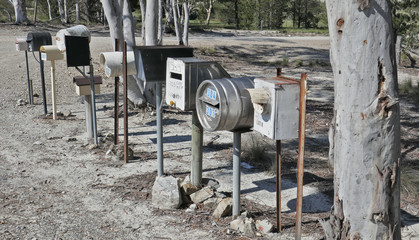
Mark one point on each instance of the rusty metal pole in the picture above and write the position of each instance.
(116, 105)
(125, 103)
(278, 185)
(300, 171)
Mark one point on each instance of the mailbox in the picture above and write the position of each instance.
(78, 30)
(83, 85)
(151, 60)
(21, 44)
(276, 104)
(37, 39)
(183, 76)
(224, 104)
(77, 51)
(113, 63)
(51, 53)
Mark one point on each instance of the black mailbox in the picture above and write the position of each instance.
(77, 51)
(37, 39)
(151, 60)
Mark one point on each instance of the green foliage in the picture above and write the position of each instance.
(406, 22)
(407, 88)
(299, 63)
(255, 152)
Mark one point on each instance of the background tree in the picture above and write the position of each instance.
(365, 131)
(20, 11)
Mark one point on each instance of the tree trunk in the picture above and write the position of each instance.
(61, 10)
(209, 10)
(49, 10)
(20, 11)
(176, 16)
(77, 12)
(236, 13)
(186, 23)
(65, 12)
(365, 134)
(8, 14)
(35, 11)
(160, 24)
(151, 23)
(143, 12)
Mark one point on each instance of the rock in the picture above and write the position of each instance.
(166, 193)
(264, 226)
(189, 188)
(245, 214)
(191, 208)
(237, 224)
(212, 202)
(69, 139)
(118, 150)
(220, 195)
(202, 195)
(211, 183)
(224, 208)
(186, 180)
(92, 146)
(38, 143)
(66, 113)
(249, 228)
(21, 102)
(59, 113)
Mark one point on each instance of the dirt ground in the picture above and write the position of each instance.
(53, 186)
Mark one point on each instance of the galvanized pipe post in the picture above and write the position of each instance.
(29, 80)
(278, 185)
(124, 54)
(197, 140)
(160, 170)
(300, 171)
(92, 90)
(116, 105)
(236, 173)
(44, 97)
(89, 116)
(54, 102)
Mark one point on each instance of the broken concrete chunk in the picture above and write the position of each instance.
(189, 188)
(202, 195)
(264, 226)
(249, 228)
(212, 202)
(237, 224)
(224, 208)
(166, 193)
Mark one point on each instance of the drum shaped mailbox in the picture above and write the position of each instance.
(224, 104)
(37, 39)
(183, 77)
(151, 60)
(276, 104)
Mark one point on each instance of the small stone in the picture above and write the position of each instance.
(66, 113)
(189, 188)
(224, 208)
(249, 228)
(245, 214)
(191, 208)
(60, 114)
(21, 102)
(237, 224)
(109, 152)
(69, 139)
(202, 195)
(264, 226)
(92, 146)
(166, 193)
(186, 180)
(211, 183)
(37, 143)
(153, 113)
(220, 195)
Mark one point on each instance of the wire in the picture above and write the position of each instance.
(33, 53)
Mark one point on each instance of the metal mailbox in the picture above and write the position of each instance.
(78, 30)
(224, 104)
(21, 44)
(51, 53)
(151, 60)
(83, 85)
(37, 39)
(183, 76)
(77, 51)
(276, 104)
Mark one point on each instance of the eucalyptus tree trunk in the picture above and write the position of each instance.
(143, 12)
(182, 37)
(160, 24)
(121, 26)
(49, 10)
(65, 11)
(20, 11)
(365, 132)
(209, 10)
(61, 10)
(185, 35)
(151, 23)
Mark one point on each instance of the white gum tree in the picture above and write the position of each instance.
(365, 131)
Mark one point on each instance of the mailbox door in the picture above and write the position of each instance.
(265, 122)
(287, 111)
(77, 51)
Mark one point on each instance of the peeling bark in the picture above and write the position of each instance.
(365, 132)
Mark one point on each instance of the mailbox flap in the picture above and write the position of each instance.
(82, 81)
(151, 60)
(77, 51)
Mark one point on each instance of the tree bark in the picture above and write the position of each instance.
(35, 11)
(365, 139)
(209, 10)
(65, 11)
(143, 12)
(176, 16)
(160, 24)
(49, 10)
(20, 11)
(186, 23)
(61, 10)
(151, 23)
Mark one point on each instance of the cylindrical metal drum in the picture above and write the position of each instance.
(112, 62)
(223, 104)
(78, 31)
(37, 39)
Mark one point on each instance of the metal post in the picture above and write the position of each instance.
(278, 185)
(124, 53)
(236, 173)
(89, 116)
(92, 89)
(300, 171)
(54, 102)
(116, 105)
(160, 170)
(29, 80)
(197, 140)
(41, 63)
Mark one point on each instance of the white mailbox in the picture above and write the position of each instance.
(21, 44)
(51, 53)
(183, 76)
(276, 103)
